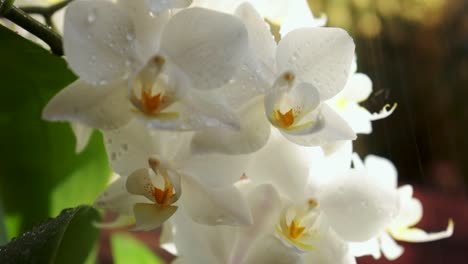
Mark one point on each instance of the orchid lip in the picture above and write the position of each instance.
(295, 227)
(153, 88)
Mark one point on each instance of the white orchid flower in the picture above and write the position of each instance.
(358, 88)
(312, 65)
(272, 238)
(308, 78)
(336, 210)
(402, 227)
(244, 244)
(123, 75)
(202, 184)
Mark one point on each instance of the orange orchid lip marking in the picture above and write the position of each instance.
(151, 103)
(295, 229)
(284, 120)
(164, 196)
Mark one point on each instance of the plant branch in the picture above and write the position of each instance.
(48, 11)
(33, 26)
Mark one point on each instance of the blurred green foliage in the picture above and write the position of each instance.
(40, 173)
(127, 249)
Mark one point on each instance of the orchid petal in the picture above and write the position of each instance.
(140, 183)
(96, 41)
(215, 170)
(129, 147)
(390, 249)
(411, 211)
(319, 56)
(328, 128)
(253, 134)
(197, 35)
(82, 135)
(416, 235)
(329, 249)
(148, 27)
(285, 96)
(205, 110)
(325, 169)
(386, 111)
(105, 107)
(269, 249)
(369, 247)
(166, 240)
(283, 164)
(383, 170)
(213, 243)
(262, 43)
(116, 198)
(214, 206)
(265, 205)
(151, 216)
(358, 198)
(357, 117)
(358, 88)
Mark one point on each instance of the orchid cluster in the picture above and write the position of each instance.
(239, 146)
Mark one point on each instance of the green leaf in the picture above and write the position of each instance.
(3, 232)
(127, 249)
(69, 238)
(40, 172)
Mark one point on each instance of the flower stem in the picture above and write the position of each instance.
(22, 19)
(46, 12)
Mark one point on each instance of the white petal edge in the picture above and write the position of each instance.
(416, 235)
(329, 128)
(354, 199)
(103, 107)
(214, 206)
(151, 216)
(253, 134)
(82, 136)
(96, 41)
(319, 56)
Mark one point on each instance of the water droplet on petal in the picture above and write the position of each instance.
(130, 36)
(92, 16)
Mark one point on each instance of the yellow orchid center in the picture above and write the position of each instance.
(152, 103)
(295, 230)
(297, 225)
(284, 120)
(154, 96)
(165, 196)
